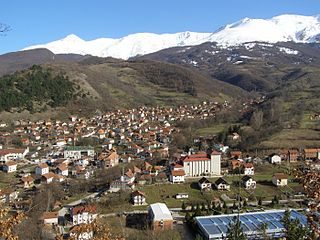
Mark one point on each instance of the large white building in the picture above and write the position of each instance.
(202, 164)
(12, 154)
(77, 152)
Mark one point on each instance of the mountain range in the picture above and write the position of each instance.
(283, 28)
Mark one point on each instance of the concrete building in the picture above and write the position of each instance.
(159, 217)
(77, 152)
(12, 154)
(202, 164)
(280, 179)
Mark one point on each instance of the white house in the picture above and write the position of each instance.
(12, 154)
(274, 158)
(9, 167)
(138, 198)
(77, 152)
(248, 169)
(182, 196)
(62, 169)
(204, 184)
(42, 168)
(280, 179)
(83, 214)
(50, 218)
(222, 184)
(48, 177)
(202, 164)
(177, 176)
(248, 182)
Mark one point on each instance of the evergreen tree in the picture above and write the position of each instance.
(183, 206)
(293, 229)
(235, 232)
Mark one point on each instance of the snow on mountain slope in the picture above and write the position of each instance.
(282, 28)
(126, 47)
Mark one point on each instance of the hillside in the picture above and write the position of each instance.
(106, 83)
(286, 73)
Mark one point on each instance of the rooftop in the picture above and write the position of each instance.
(160, 211)
(215, 227)
(78, 148)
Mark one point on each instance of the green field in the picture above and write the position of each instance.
(211, 130)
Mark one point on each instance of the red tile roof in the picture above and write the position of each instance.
(178, 173)
(80, 209)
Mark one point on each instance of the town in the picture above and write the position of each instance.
(118, 166)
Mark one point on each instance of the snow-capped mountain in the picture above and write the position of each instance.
(126, 47)
(282, 28)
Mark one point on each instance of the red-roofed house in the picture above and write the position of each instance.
(42, 168)
(248, 169)
(177, 176)
(138, 198)
(12, 154)
(9, 167)
(83, 214)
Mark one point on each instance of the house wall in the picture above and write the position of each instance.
(164, 225)
(211, 166)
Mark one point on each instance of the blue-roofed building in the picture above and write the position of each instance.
(216, 226)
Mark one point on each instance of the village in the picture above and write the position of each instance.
(118, 165)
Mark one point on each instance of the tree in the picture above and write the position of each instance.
(256, 120)
(293, 229)
(183, 206)
(8, 222)
(235, 232)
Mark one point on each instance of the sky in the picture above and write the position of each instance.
(40, 21)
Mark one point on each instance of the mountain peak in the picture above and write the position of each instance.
(282, 28)
(72, 38)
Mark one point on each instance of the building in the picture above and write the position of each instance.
(27, 181)
(248, 182)
(138, 198)
(182, 196)
(107, 159)
(62, 169)
(48, 177)
(204, 184)
(310, 153)
(83, 214)
(248, 169)
(202, 164)
(280, 179)
(12, 154)
(9, 167)
(177, 176)
(50, 218)
(293, 155)
(275, 159)
(159, 217)
(77, 152)
(42, 168)
(222, 184)
(8, 195)
(215, 227)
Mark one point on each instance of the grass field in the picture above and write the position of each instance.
(211, 130)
